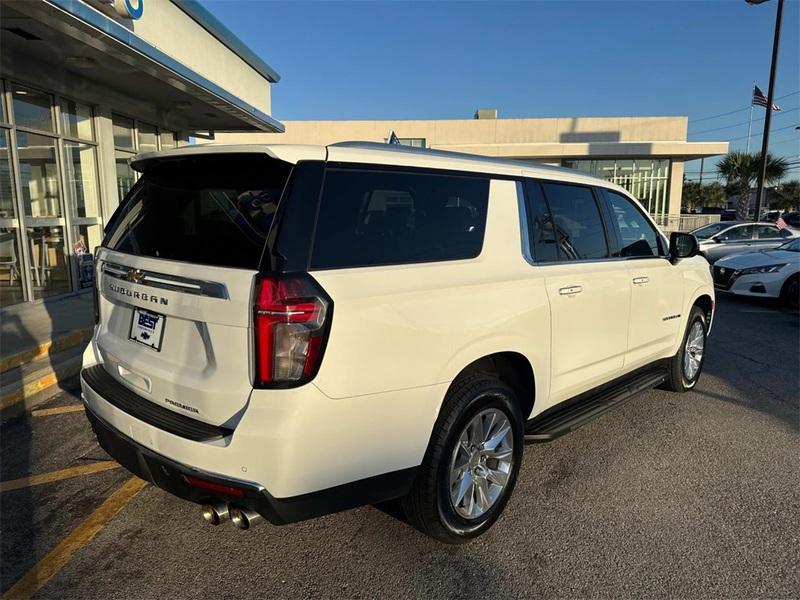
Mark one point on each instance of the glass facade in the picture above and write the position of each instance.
(647, 179)
(51, 192)
(49, 181)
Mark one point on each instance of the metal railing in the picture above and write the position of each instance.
(684, 222)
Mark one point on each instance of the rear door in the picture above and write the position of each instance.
(739, 238)
(769, 236)
(588, 290)
(656, 284)
(176, 276)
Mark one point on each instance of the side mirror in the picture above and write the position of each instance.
(682, 245)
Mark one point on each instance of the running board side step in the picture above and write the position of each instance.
(562, 419)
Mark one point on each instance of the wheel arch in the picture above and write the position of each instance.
(785, 285)
(706, 303)
(512, 368)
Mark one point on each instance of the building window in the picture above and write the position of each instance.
(76, 120)
(133, 137)
(38, 175)
(412, 142)
(168, 140)
(647, 179)
(32, 108)
(123, 132)
(80, 165)
(148, 138)
(11, 270)
(3, 112)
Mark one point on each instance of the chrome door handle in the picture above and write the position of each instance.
(570, 290)
(640, 280)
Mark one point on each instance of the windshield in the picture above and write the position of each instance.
(705, 232)
(792, 246)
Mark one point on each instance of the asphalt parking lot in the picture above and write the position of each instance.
(670, 495)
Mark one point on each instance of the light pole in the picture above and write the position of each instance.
(762, 173)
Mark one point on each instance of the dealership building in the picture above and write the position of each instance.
(85, 85)
(645, 155)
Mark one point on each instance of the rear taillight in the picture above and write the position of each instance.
(290, 321)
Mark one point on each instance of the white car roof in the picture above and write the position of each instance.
(386, 154)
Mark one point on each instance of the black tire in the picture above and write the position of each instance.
(677, 378)
(790, 292)
(428, 505)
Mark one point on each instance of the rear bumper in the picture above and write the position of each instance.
(172, 477)
(296, 453)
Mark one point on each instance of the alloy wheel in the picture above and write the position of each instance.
(481, 463)
(693, 351)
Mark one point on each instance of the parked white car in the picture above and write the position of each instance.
(288, 331)
(765, 273)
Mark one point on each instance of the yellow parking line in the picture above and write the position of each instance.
(58, 410)
(55, 560)
(16, 484)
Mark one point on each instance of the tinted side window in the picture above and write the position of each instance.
(637, 235)
(540, 225)
(384, 217)
(579, 227)
(768, 232)
(745, 232)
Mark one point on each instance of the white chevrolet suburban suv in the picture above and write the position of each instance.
(289, 331)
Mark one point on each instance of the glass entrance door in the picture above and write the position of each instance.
(49, 194)
(44, 215)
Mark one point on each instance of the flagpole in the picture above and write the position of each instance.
(762, 175)
(750, 123)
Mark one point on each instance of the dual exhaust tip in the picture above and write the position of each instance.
(219, 512)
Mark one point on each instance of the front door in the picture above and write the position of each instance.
(656, 284)
(589, 292)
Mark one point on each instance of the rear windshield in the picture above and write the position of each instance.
(214, 210)
(376, 217)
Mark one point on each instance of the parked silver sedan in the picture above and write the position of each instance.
(730, 237)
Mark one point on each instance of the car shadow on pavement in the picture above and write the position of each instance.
(17, 530)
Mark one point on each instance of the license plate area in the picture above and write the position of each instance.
(147, 328)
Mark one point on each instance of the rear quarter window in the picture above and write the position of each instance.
(379, 217)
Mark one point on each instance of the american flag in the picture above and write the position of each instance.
(780, 223)
(759, 99)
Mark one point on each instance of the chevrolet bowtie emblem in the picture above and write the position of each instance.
(134, 276)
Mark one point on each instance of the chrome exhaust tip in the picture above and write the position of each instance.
(245, 518)
(215, 513)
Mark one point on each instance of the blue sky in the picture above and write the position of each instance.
(440, 60)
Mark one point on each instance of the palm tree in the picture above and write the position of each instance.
(740, 170)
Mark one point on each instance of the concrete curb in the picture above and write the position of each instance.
(46, 348)
(27, 378)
